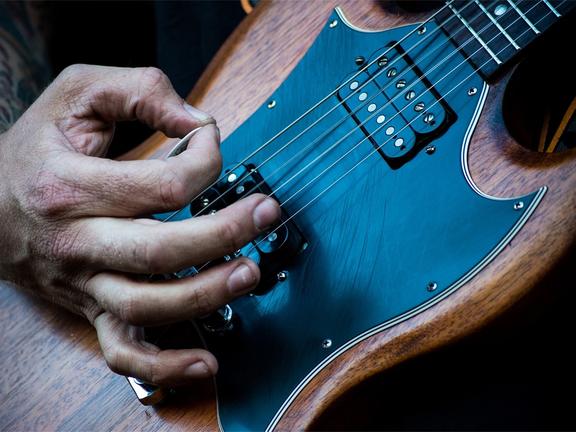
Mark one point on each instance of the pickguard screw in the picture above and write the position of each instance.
(519, 205)
(422, 30)
(205, 202)
(431, 286)
(326, 343)
(472, 91)
(382, 61)
(333, 23)
(359, 60)
(430, 149)
(271, 104)
(282, 276)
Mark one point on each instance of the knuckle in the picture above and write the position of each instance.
(51, 197)
(173, 190)
(64, 245)
(203, 302)
(129, 309)
(213, 165)
(230, 233)
(152, 255)
(113, 358)
(153, 78)
(72, 75)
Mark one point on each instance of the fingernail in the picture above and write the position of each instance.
(197, 370)
(266, 214)
(197, 114)
(241, 280)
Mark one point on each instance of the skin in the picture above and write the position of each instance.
(72, 229)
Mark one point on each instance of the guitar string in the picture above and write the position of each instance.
(464, 61)
(339, 122)
(380, 128)
(379, 147)
(348, 116)
(311, 109)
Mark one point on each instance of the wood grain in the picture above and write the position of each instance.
(53, 375)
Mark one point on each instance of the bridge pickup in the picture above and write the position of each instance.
(272, 250)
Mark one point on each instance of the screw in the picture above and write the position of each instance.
(431, 286)
(519, 205)
(359, 60)
(282, 276)
(383, 61)
(430, 149)
(472, 91)
(333, 23)
(422, 30)
(429, 119)
(326, 343)
(271, 104)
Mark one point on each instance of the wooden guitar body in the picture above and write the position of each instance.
(396, 256)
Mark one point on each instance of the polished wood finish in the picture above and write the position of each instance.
(53, 376)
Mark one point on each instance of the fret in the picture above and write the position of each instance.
(490, 33)
(534, 29)
(497, 24)
(476, 35)
(552, 8)
(537, 11)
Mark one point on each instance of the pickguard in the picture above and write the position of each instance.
(384, 242)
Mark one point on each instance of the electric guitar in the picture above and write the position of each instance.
(411, 217)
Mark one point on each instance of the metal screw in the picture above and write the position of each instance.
(240, 189)
(419, 107)
(359, 60)
(205, 202)
(422, 30)
(271, 104)
(232, 178)
(472, 91)
(410, 95)
(326, 343)
(333, 23)
(282, 276)
(431, 286)
(382, 61)
(401, 83)
(391, 73)
(272, 237)
(429, 119)
(518, 205)
(430, 149)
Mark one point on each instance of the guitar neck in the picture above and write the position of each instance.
(492, 33)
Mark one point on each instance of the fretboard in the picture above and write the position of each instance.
(492, 33)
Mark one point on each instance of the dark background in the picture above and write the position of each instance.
(517, 374)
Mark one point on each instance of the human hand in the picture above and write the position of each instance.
(70, 229)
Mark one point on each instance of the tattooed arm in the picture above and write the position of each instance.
(24, 69)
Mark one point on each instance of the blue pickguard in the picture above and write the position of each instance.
(376, 239)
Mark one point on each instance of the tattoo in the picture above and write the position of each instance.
(24, 69)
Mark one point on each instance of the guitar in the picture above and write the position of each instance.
(409, 214)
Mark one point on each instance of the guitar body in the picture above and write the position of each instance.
(397, 257)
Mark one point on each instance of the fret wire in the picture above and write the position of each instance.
(476, 35)
(497, 24)
(519, 12)
(552, 8)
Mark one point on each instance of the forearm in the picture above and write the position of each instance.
(24, 68)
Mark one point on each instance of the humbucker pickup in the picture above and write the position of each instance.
(395, 105)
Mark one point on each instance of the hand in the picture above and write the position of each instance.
(70, 231)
